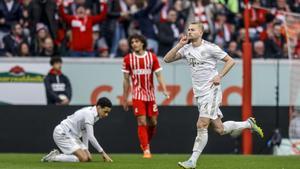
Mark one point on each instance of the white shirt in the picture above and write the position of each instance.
(203, 64)
(80, 124)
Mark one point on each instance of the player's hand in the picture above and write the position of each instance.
(106, 158)
(183, 40)
(216, 80)
(166, 94)
(125, 105)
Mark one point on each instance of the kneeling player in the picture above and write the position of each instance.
(67, 134)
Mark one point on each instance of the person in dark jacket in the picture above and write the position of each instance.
(168, 33)
(58, 86)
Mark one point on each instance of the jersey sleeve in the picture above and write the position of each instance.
(182, 51)
(92, 139)
(156, 66)
(126, 65)
(217, 52)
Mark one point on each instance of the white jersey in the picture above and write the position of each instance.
(76, 122)
(203, 64)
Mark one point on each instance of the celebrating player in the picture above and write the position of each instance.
(67, 134)
(140, 66)
(202, 57)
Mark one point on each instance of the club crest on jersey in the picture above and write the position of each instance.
(136, 110)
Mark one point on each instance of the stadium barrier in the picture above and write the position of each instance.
(29, 129)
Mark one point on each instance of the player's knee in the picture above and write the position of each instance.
(219, 130)
(202, 125)
(153, 123)
(83, 158)
(142, 123)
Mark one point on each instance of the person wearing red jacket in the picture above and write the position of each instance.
(82, 28)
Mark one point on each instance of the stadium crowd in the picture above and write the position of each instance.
(100, 28)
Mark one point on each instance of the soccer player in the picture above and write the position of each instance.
(202, 57)
(67, 134)
(140, 65)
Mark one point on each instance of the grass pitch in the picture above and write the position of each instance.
(159, 161)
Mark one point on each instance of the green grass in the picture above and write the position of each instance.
(159, 161)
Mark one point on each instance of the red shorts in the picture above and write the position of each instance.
(147, 108)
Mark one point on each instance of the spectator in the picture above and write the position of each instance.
(81, 26)
(182, 14)
(144, 17)
(42, 33)
(13, 40)
(168, 33)
(43, 11)
(123, 48)
(203, 12)
(259, 49)
(275, 42)
(24, 50)
(10, 12)
(116, 25)
(103, 53)
(48, 48)
(233, 50)
(222, 30)
(58, 86)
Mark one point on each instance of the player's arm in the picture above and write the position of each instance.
(126, 87)
(162, 83)
(94, 142)
(173, 54)
(229, 63)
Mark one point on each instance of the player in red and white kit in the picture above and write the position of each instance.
(140, 65)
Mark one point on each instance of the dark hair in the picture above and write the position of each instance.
(104, 102)
(13, 25)
(172, 9)
(140, 38)
(55, 59)
(79, 6)
(20, 48)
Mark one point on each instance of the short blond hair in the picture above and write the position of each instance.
(199, 24)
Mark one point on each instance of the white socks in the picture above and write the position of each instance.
(65, 158)
(235, 128)
(200, 143)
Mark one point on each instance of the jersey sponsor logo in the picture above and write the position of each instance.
(142, 71)
(193, 62)
(136, 110)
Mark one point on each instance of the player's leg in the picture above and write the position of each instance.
(234, 128)
(229, 127)
(152, 126)
(140, 113)
(199, 144)
(67, 144)
(78, 156)
(88, 154)
(152, 113)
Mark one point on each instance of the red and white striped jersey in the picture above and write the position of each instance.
(141, 69)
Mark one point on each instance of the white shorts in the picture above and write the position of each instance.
(67, 142)
(208, 105)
